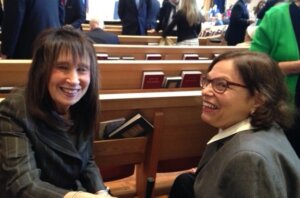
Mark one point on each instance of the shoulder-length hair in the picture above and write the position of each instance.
(191, 11)
(47, 49)
(262, 76)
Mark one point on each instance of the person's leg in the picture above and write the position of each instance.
(183, 186)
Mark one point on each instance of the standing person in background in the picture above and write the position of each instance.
(166, 14)
(1, 13)
(155, 7)
(238, 23)
(244, 95)
(278, 35)
(259, 7)
(188, 21)
(46, 129)
(269, 4)
(75, 13)
(98, 35)
(23, 20)
(135, 16)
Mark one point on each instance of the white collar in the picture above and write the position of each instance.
(238, 127)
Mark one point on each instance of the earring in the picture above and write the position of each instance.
(252, 112)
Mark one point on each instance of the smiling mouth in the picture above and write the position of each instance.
(208, 105)
(70, 91)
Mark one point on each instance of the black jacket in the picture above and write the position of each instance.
(100, 36)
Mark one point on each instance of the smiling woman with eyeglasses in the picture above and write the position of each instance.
(244, 95)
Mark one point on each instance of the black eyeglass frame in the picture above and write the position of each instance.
(214, 81)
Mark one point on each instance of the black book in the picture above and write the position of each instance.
(134, 127)
(108, 126)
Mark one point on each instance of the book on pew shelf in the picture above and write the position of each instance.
(203, 58)
(172, 81)
(190, 57)
(101, 56)
(152, 79)
(128, 58)
(109, 125)
(113, 58)
(152, 44)
(153, 56)
(190, 78)
(6, 89)
(136, 126)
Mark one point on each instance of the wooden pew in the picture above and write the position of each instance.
(154, 40)
(167, 52)
(182, 135)
(127, 75)
(114, 75)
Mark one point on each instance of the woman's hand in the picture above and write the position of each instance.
(81, 194)
(104, 194)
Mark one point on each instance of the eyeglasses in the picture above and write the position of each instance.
(219, 85)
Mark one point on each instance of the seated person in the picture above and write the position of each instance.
(219, 19)
(46, 129)
(250, 156)
(98, 35)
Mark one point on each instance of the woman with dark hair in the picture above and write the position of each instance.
(46, 129)
(244, 95)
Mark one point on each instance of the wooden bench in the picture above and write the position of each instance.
(182, 135)
(114, 75)
(154, 40)
(139, 52)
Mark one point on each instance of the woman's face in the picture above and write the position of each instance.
(68, 82)
(228, 108)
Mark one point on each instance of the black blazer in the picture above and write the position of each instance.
(75, 13)
(23, 21)
(43, 161)
(184, 30)
(164, 15)
(100, 36)
(238, 23)
(135, 21)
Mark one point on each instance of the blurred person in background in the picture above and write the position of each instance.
(23, 20)
(98, 35)
(238, 23)
(188, 20)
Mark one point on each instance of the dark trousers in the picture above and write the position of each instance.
(183, 186)
(293, 134)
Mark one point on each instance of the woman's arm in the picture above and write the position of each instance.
(290, 67)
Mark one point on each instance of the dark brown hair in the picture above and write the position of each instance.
(262, 75)
(47, 48)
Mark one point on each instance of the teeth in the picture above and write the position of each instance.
(209, 105)
(70, 91)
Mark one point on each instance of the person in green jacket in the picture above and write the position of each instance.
(278, 35)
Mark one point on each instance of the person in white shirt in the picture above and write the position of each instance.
(244, 95)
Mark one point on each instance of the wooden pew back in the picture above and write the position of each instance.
(139, 52)
(154, 40)
(182, 136)
(114, 75)
(128, 74)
